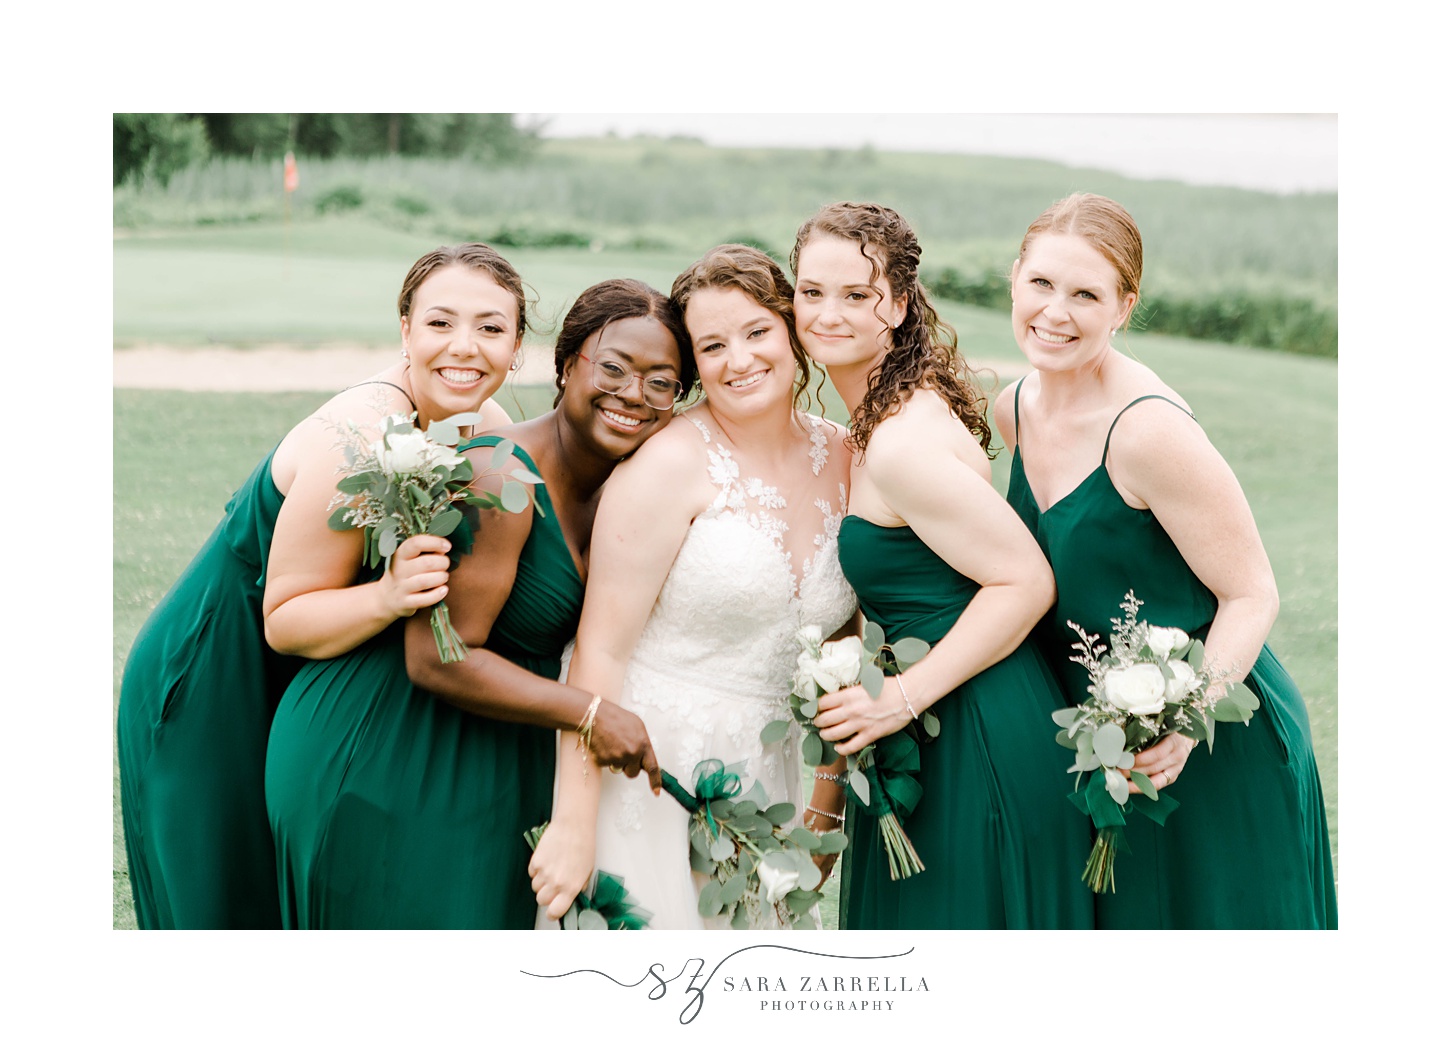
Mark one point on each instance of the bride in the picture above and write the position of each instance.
(712, 546)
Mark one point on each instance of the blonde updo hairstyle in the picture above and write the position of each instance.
(1106, 226)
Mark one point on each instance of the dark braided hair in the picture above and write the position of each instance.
(924, 347)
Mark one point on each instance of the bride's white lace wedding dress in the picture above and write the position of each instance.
(714, 666)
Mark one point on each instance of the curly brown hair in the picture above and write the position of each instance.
(733, 266)
(612, 300)
(923, 352)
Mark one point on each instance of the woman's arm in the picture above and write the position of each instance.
(313, 605)
(1161, 459)
(645, 512)
(953, 508)
(490, 685)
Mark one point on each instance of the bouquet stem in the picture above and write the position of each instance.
(1099, 871)
(902, 859)
(451, 647)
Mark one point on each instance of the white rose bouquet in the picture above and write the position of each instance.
(407, 483)
(758, 869)
(1148, 682)
(880, 776)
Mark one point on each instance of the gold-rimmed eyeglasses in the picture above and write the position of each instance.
(613, 377)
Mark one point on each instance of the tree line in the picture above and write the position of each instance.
(158, 144)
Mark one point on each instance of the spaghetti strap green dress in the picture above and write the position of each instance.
(1002, 845)
(392, 808)
(1248, 847)
(197, 696)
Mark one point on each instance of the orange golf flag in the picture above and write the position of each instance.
(289, 173)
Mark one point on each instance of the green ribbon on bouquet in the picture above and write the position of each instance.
(1097, 803)
(713, 781)
(896, 759)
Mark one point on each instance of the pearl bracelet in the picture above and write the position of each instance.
(825, 814)
(903, 689)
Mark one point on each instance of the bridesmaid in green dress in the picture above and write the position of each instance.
(1123, 491)
(200, 683)
(935, 553)
(399, 788)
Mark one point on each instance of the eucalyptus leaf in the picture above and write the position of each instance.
(445, 522)
(1064, 739)
(861, 787)
(443, 432)
(1195, 656)
(724, 809)
(700, 841)
(710, 903)
(930, 724)
(756, 795)
(570, 920)
(741, 918)
(1118, 786)
(780, 814)
(745, 809)
(810, 708)
(810, 875)
(873, 637)
(513, 498)
(502, 454)
(872, 679)
(775, 732)
(811, 750)
(699, 862)
(387, 540)
(723, 848)
(1141, 780)
(1065, 717)
(466, 419)
(805, 839)
(732, 890)
(523, 474)
(1108, 742)
(338, 520)
(356, 483)
(592, 920)
(781, 860)
(909, 650)
(831, 843)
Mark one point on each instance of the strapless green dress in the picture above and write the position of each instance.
(197, 696)
(1002, 845)
(1248, 846)
(392, 808)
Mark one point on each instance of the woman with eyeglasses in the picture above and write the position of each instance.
(399, 787)
(712, 547)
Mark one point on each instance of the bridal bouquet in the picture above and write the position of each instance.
(1147, 683)
(408, 483)
(880, 777)
(757, 868)
(606, 906)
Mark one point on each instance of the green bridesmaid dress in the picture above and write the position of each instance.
(392, 808)
(1002, 845)
(1248, 845)
(197, 696)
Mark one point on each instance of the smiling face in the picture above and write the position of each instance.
(618, 423)
(460, 335)
(743, 352)
(844, 317)
(1066, 302)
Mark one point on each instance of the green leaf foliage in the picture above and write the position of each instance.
(861, 787)
(930, 724)
(831, 843)
(1141, 780)
(780, 814)
(873, 637)
(872, 679)
(503, 452)
(710, 903)
(909, 650)
(445, 522)
(514, 498)
(812, 751)
(591, 920)
(1108, 742)
(775, 732)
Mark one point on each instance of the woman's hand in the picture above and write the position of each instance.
(620, 741)
(851, 719)
(1163, 762)
(561, 867)
(417, 576)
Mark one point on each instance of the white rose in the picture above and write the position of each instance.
(1136, 689)
(839, 665)
(1184, 680)
(776, 884)
(804, 682)
(809, 637)
(1165, 641)
(406, 453)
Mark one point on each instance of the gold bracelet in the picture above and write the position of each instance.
(903, 689)
(586, 729)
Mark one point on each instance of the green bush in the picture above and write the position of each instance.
(154, 145)
(340, 199)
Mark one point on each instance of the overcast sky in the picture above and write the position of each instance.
(1279, 153)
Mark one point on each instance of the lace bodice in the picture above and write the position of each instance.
(714, 663)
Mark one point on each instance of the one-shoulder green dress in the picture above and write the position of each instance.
(1248, 846)
(1002, 845)
(392, 808)
(197, 696)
